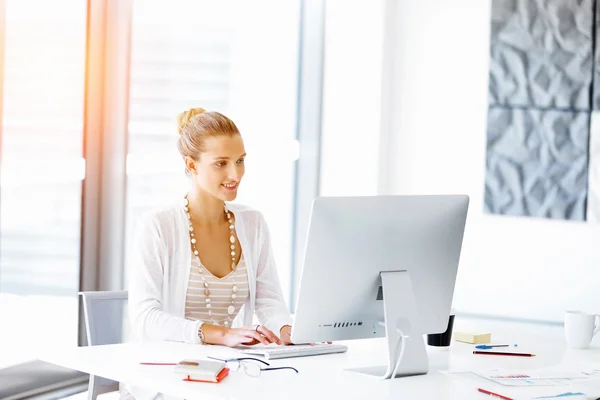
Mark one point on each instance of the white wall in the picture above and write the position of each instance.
(518, 267)
(351, 97)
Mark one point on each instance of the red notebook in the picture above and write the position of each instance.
(202, 370)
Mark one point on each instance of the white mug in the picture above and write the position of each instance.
(580, 328)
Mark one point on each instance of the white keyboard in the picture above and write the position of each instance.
(272, 352)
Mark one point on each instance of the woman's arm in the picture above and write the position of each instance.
(271, 308)
(145, 298)
(146, 312)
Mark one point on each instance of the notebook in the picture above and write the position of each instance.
(202, 370)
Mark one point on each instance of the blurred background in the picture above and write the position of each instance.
(332, 97)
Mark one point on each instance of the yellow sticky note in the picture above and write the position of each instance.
(470, 337)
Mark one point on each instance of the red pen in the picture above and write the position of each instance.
(494, 394)
(499, 353)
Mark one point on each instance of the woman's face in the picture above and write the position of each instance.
(220, 167)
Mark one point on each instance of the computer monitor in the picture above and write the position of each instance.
(381, 266)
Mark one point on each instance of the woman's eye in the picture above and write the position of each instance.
(240, 161)
(220, 164)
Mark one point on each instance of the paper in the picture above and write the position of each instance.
(555, 382)
(537, 394)
(550, 376)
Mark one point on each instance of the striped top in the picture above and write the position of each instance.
(220, 293)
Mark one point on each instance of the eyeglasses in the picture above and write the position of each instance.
(250, 367)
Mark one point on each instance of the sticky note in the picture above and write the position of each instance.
(471, 337)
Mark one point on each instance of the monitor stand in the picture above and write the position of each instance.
(406, 348)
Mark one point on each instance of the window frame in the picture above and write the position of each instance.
(308, 133)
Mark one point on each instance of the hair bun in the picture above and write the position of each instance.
(185, 117)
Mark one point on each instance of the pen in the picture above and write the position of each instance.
(493, 394)
(499, 353)
(156, 363)
(489, 346)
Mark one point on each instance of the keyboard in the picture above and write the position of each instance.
(272, 352)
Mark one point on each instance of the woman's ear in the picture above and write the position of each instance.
(190, 164)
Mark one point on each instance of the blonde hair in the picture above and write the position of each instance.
(195, 125)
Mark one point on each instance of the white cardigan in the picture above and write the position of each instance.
(160, 270)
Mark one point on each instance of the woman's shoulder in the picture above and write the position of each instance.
(162, 216)
(249, 215)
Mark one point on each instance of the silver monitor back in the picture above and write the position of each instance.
(352, 239)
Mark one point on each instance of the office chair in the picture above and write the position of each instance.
(105, 323)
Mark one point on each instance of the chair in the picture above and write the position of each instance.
(105, 323)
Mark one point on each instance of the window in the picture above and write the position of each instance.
(243, 63)
(41, 173)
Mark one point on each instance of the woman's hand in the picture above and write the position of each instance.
(233, 337)
(286, 334)
(247, 335)
(269, 335)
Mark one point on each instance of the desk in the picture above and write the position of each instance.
(322, 376)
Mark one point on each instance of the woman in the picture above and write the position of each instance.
(202, 268)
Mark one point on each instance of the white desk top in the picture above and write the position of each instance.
(323, 376)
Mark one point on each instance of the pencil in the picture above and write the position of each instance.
(499, 353)
(494, 394)
(156, 363)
